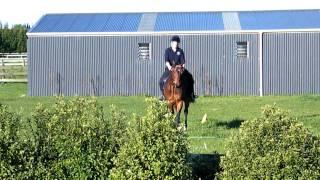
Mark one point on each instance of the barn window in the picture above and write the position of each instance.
(242, 49)
(144, 52)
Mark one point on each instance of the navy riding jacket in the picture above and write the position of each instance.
(174, 57)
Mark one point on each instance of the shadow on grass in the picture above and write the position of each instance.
(205, 166)
(235, 123)
(309, 116)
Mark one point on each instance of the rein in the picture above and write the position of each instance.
(177, 87)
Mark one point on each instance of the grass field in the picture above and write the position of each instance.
(225, 114)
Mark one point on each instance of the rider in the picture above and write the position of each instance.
(175, 55)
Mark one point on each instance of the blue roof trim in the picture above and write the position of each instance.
(177, 21)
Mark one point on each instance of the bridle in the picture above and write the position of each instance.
(179, 69)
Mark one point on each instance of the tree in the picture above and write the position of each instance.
(13, 39)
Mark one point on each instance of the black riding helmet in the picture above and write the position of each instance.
(175, 38)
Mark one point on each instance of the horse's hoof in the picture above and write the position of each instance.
(185, 128)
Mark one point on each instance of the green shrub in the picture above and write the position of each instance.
(154, 148)
(70, 140)
(272, 146)
(8, 140)
(14, 153)
(74, 140)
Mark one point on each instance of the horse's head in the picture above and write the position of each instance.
(177, 71)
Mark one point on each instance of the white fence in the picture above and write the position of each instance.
(13, 67)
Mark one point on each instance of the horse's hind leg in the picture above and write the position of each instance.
(186, 110)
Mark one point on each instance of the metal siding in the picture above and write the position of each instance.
(217, 70)
(108, 65)
(291, 63)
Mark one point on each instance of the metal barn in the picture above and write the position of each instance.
(229, 53)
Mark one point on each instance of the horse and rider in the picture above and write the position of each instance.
(176, 83)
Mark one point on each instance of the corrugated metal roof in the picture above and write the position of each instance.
(179, 21)
(106, 22)
(147, 22)
(196, 21)
(303, 19)
(231, 21)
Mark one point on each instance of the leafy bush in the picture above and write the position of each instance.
(74, 140)
(154, 148)
(71, 139)
(8, 140)
(272, 146)
(14, 153)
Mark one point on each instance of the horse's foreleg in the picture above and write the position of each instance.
(186, 109)
(179, 108)
(170, 106)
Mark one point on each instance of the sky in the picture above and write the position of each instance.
(29, 11)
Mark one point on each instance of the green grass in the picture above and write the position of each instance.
(225, 114)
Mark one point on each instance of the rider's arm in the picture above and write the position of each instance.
(168, 65)
(167, 60)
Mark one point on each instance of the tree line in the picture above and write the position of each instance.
(13, 39)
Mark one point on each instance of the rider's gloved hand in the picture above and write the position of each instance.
(168, 66)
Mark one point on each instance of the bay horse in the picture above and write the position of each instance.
(175, 93)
